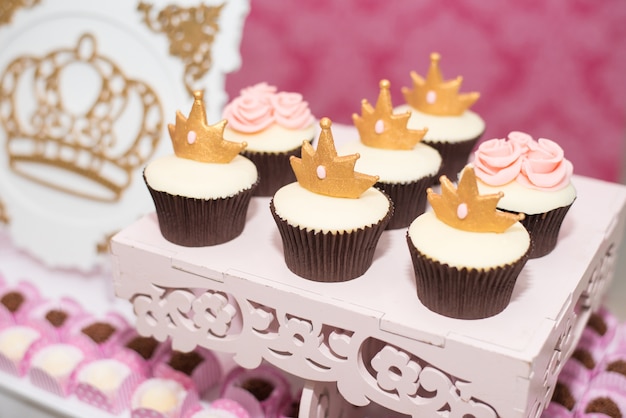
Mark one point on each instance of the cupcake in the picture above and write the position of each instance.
(536, 180)
(331, 219)
(436, 103)
(387, 148)
(273, 125)
(466, 254)
(202, 193)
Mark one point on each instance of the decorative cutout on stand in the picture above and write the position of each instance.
(431, 391)
(190, 31)
(600, 277)
(9, 7)
(83, 145)
(587, 301)
(393, 377)
(564, 328)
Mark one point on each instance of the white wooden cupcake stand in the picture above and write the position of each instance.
(370, 340)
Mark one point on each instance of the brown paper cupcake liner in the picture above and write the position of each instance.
(544, 229)
(328, 257)
(409, 200)
(274, 170)
(194, 222)
(463, 293)
(454, 156)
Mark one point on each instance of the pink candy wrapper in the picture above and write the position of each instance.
(604, 397)
(17, 339)
(219, 408)
(63, 384)
(187, 399)
(240, 385)
(206, 374)
(17, 301)
(116, 398)
(103, 333)
(145, 351)
(56, 315)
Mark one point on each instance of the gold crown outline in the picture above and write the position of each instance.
(379, 127)
(435, 96)
(464, 208)
(86, 145)
(323, 172)
(194, 139)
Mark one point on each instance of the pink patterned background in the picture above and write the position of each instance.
(554, 69)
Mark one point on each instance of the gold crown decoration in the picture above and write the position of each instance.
(323, 172)
(190, 31)
(95, 144)
(194, 139)
(9, 7)
(436, 96)
(464, 208)
(379, 127)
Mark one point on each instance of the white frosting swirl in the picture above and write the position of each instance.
(184, 177)
(315, 212)
(394, 166)
(478, 250)
(464, 127)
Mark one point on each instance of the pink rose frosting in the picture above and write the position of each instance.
(260, 106)
(545, 166)
(522, 139)
(537, 164)
(498, 161)
(291, 111)
(249, 113)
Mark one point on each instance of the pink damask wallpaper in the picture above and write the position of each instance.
(554, 69)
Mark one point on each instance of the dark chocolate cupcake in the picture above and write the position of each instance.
(274, 125)
(535, 178)
(202, 193)
(453, 129)
(330, 221)
(466, 255)
(387, 148)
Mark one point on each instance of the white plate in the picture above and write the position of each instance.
(113, 46)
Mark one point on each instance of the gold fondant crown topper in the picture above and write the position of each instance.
(436, 96)
(464, 208)
(322, 171)
(379, 128)
(194, 139)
